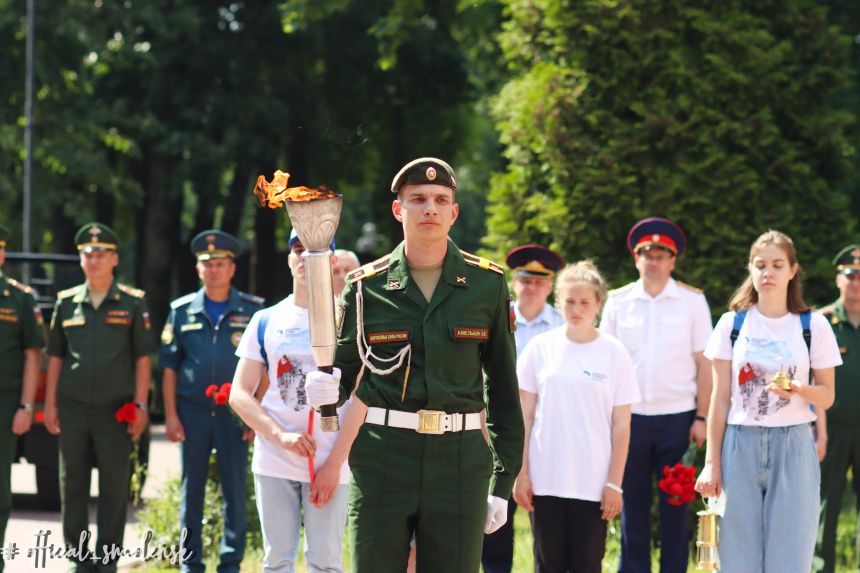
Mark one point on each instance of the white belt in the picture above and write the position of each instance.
(424, 421)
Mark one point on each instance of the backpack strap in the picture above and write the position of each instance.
(265, 314)
(805, 319)
(740, 316)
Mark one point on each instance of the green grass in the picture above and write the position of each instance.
(524, 561)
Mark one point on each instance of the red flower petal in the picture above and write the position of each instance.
(221, 398)
(226, 387)
(211, 389)
(675, 501)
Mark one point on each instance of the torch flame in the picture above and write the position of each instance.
(274, 194)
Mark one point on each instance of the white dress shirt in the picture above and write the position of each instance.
(662, 334)
(547, 319)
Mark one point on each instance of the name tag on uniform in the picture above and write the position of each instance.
(472, 333)
(74, 322)
(191, 326)
(391, 336)
(118, 321)
(8, 315)
(238, 325)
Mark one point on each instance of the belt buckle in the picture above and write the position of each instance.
(428, 422)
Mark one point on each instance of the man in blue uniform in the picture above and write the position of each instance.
(198, 350)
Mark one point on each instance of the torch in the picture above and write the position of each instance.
(314, 214)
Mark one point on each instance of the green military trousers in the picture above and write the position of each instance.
(433, 485)
(91, 436)
(843, 452)
(8, 443)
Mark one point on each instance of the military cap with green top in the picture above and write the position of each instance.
(4, 236)
(96, 237)
(214, 244)
(424, 171)
(847, 262)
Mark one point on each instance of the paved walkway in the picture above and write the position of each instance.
(27, 519)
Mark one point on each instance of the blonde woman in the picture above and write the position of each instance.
(576, 388)
(760, 446)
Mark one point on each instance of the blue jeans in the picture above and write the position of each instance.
(771, 480)
(283, 506)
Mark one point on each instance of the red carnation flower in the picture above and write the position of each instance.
(211, 389)
(226, 387)
(221, 397)
(39, 417)
(126, 413)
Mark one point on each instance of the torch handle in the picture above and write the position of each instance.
(329, 422)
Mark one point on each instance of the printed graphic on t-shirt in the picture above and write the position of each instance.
(764, 359)
(293, 367)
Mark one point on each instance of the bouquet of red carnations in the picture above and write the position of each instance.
(679, 481)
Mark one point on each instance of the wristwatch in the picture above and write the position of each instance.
(702, 419)
(26, 407)
(141, 406)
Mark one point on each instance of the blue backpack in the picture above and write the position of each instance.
(265, 315)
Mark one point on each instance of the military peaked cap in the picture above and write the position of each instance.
(848, 260)
(213, 244)
(657, 233)
(96, 237)
(427, 170)
(534, 260)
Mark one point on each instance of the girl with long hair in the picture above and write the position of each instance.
(760, 450)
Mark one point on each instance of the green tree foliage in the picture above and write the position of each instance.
(714, 116)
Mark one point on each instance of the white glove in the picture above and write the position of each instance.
(322, 388)
(497, 513)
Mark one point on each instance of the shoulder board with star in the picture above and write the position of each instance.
(69, 292)
(19, 286)
(183, 300)
(483, 263)
(368, 270)
(258, 300)
(620, 290)
(131, 291)
(690, 288)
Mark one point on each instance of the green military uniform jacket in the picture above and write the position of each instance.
(20, 329)
(99, 347)
(462, 347)
(847, 405)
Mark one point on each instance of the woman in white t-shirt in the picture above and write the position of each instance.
(761, 452)
(576, 388)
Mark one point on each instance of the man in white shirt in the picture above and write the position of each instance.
(534, 268)
(665, 326)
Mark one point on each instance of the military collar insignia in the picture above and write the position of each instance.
(461, 280)
(394, 284)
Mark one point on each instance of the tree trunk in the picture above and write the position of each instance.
(159, 239)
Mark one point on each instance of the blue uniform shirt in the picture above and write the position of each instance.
(201, 350)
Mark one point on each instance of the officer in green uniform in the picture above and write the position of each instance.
(842, 436)
(198, 349)
(433, 328)
(99, 361)
(21, 338)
